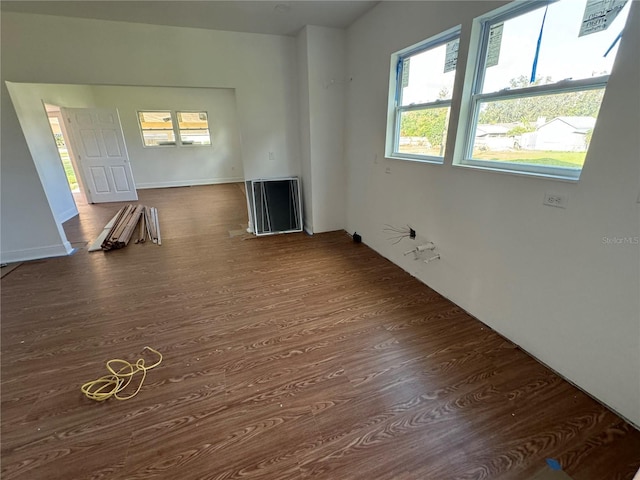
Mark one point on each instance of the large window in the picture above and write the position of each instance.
(541, 74)
(158, 128)
(424, 77)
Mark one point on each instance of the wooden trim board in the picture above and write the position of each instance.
(97, 243)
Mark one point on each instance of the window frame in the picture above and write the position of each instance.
(179, 130)
(473, 99)
(396, 109)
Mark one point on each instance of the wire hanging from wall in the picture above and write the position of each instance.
(398, 232)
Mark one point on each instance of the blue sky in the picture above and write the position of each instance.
(563, 54)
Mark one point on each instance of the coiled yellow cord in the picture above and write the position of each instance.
(111, 385)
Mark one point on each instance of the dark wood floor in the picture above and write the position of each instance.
(285, 357)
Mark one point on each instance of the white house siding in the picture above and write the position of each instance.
(559, 136)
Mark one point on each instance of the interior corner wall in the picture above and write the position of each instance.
(552, 280)
(305, 129)
(327, 86)
(321, 67)
(28, 227)
(261, 69)
(28, 101)
(178, 165)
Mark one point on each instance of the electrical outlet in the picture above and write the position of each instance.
(555, 200)
(387, 170)
(272, 156)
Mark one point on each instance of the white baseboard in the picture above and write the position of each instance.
(188, 183)
(36, 253)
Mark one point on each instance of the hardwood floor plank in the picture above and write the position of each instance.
(216, 445)
(285, 357)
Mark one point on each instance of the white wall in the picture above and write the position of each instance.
(541, 276)
(262, 69)
(327, 85)
(178, 165)
(28, 227)
(321, 57)
(305, 129)
(28, 101)
(26, 234)
(57, 50)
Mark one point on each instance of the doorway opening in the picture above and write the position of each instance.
(65, 151)
(64, 154)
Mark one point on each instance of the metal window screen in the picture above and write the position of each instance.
(276, 206)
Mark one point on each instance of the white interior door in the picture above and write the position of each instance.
(100, 150)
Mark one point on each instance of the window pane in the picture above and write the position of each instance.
(155, 120)
(197, 120)
(427, 81)
(194, 128)
(424, 132)
(550, 130)
(195, 137)
(154, 138)
(563, 53)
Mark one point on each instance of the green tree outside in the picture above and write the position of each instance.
(528, 109)
(429, 124)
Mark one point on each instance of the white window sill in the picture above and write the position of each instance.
(416, 158)
(570, 176)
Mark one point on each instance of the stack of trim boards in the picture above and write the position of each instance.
(120, 230)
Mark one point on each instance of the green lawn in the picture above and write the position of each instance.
(68, 169)
(433, 151)
(558, 159)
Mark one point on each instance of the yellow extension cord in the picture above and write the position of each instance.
(111, 385)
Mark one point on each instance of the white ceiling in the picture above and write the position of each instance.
(278, 18)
